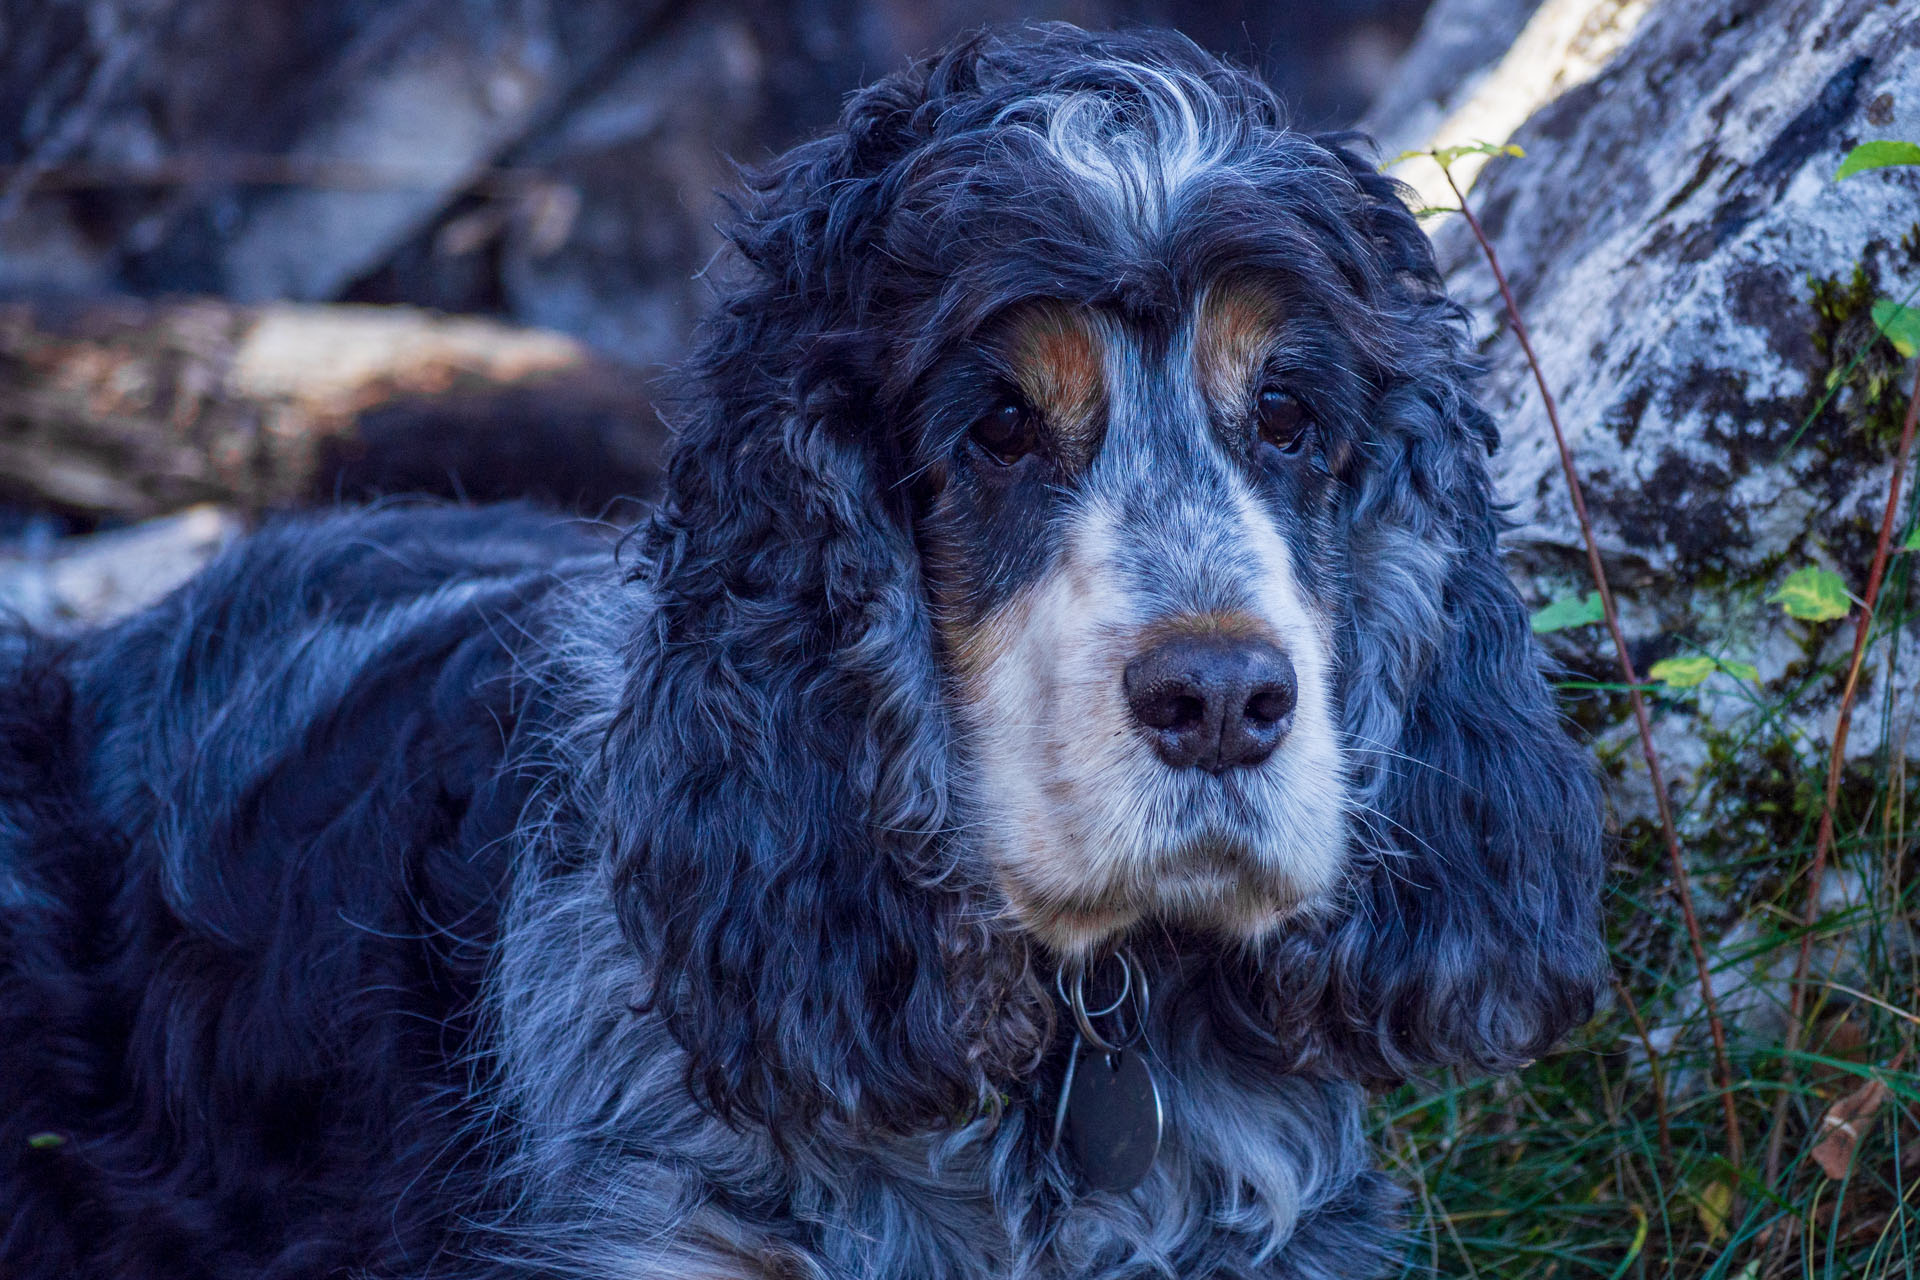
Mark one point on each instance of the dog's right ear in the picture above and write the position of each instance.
(1473, 939)
(782, 836)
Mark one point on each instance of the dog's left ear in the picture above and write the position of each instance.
(782, 835)
(1474, 936)
(783, 860)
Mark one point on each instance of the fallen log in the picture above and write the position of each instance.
(124, 410)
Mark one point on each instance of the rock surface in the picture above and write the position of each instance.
(1462, 90)
(88, 581)
(1686, 264)
(1459, 44)
(553, 162)
(1698, 288)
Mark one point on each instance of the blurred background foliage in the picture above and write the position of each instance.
(548, 162)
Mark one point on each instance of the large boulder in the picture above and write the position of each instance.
(1698, 287)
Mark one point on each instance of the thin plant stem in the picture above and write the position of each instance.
(1653, 1066)
(1682, 886)
(1836, 766)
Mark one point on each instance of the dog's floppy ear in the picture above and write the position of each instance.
(1473, 939)
(781, 840)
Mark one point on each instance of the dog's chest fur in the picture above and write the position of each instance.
(1258, 1177)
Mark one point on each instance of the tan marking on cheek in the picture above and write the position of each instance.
(1058, 363)
(1027, 681)
(1233, 332)
(1008, 631)
(976, 646)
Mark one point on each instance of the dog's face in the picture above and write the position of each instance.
(1130, 452)
(1128, 561)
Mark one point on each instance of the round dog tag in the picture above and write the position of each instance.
(1114, 1119)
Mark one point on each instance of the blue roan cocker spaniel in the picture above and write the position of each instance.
(1065, 734)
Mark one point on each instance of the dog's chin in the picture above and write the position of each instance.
(1208, 887)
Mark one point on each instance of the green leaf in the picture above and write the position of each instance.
(1569, 611)
(1687, 672)
(1445, 156)
(1882, 154)
(1913, 540)
(1683, 673)
(1813, 594)
(42, 1141)
(1900, 324)
(1713, 1203)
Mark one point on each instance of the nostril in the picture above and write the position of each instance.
(1266, 713)
(1270, 704)
(1212, 702)
(1173, 711)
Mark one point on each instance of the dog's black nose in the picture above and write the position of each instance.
(1212, 702)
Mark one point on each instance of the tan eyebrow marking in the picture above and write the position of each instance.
(1057, 357)
(1233, 330)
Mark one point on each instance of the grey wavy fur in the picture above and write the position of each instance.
(442, 892)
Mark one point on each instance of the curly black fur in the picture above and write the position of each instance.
(416, 893)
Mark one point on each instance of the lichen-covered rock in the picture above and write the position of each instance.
(1698, 288)
(1460, 44)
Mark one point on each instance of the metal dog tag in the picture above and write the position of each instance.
(1109, 1110)
(1113, 1118)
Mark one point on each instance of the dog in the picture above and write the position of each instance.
(1072, 653)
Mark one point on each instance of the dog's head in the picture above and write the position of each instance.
(1083, 526)
(1125, 539)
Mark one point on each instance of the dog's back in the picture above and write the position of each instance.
(250, 859)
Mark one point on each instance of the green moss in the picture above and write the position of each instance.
(1750, 833)
(1866, 376)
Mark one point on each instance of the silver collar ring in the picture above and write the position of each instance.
(1074, 993)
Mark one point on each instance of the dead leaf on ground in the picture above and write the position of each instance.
(1843, 1125)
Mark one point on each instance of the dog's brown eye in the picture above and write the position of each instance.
(1284, 422)
(1007, 434)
